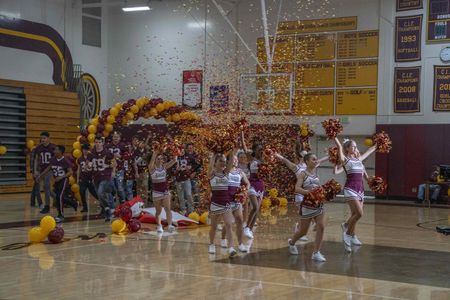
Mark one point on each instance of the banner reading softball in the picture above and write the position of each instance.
(408, 31)
(441, 93)
(403, 5)
(406, 90)
(192, 88)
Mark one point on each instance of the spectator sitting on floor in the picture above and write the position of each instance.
(434, 189)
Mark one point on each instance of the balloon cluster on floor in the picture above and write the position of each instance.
(201, 218)
(47, 229)
(127, 214)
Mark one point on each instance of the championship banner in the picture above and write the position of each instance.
(218, 98)
(403, 5)
(192, 88)
(407, 90)
(318, 25)
(438, 23)
(408, 32)
(441, 88)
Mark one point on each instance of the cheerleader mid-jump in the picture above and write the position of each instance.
(307, 181)
(221, 202)
(352, 164)
(160, 190)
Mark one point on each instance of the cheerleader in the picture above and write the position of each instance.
(256, 191)
(352, 164)
(236, 178)
(307, 181)
(221, 204)
(160, 190)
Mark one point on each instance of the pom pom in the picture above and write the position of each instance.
(377, 184)
(333, 156)
(241, 194)
(315, 197)
(382, 141)
(332, 128)
(331, 188)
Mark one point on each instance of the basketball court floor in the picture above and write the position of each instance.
(402, 257)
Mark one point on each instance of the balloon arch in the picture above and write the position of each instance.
(121, 114)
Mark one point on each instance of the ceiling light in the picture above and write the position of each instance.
(136, 8)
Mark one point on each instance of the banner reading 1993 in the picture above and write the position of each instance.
(408, 31)
(407, 90)
(441, 93)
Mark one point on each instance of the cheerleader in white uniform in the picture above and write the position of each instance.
(307, 181)
(160, 191)
(352, 164)
(236, 178)
(221, 204)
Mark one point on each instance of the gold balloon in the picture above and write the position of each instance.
(92, 129)
(91, 137)
(77, 153)
(118, 226)
(30, 144)
(109, 127)
(94, 122)
(176, 117)
(76, 145)
(113, 111)
(160, 107)
(47, 224)
(130, 115)
(3, 150)
(134, 109)
(36, 235)
(368, 142)
(71, 180)
(194, 216)
(110, 119)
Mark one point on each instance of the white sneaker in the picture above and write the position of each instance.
(219, 227)
(344, 227)
(248, 233)
(292, 249)
(243, 248)
(223, 244)
(356, 241)
(304, 238)
(212, 249)
(159, 229)
(231, 252)
(171, 228)
(347, 239)
(317, 256)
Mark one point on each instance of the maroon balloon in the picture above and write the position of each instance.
(84, 132)
(83, 140)
(105, 113)
(134, 225)
(100, 127)
(125, 214)
(56, 235)
(131, 102)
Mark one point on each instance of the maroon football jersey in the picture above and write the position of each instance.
(101, 165)
(43, 154)
(59, 166)
(141, 158)
(184, 167)
(119, 149)
(85, 170)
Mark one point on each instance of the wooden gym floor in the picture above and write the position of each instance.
(402, 258)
